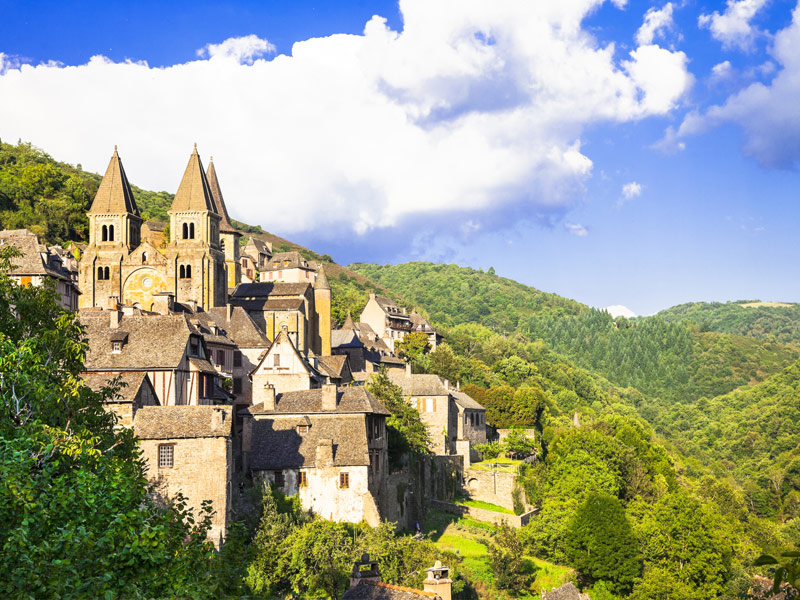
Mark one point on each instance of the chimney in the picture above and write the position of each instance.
(438, 581)
(372, 295)
(324, 454)
(458, 385)
(212, 325)
(268, 396)
(192, 304)
(408, 369)
(329, 396)
(365, 570)
(217, 418)
(163, 303)
(113, 302)
(115, 318)
(228, 312)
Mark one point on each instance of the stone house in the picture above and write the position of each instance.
(284, 368)
(168, 348)
(253, 258)
(387, 319)
(366, 584)
(365, 350)
(327, 445)
(136, 392)
(290, 267)
(471, 419)
(420, 325)
(40, 263)
(189, 449)
(119, 266)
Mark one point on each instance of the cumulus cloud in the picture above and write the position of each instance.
(240, 49)
(630, 191)
(656, 21)
(723, 71)
(472, 109)
(769, 114)
(576, 229)
(733, 27)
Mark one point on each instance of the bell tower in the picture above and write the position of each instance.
(228, 236)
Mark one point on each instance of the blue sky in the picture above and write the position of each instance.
(635, 153)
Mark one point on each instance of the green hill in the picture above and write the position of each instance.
(778, 321)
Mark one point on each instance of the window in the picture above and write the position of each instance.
(344, 480)
(116, 347)
(110, 233)
(194, 347)
(237, 385)
(302, 479)
(185, 272)
(144, 257)
(302, 429)
(279, 480)
(472, 419)
(221, 357)
(105, 233)
(186, 231)
(191, 231)
(99, 272)
(166, 456)
(276, 360)
(237, 358)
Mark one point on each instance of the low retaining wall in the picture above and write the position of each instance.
(481, 514)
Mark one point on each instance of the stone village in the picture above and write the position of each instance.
(232, 372)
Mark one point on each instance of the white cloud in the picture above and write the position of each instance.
(733, 27)
(472, 108)
(723, 71)
(630, 191)
(576, 229)
(769, 114)
(241, 49)
(655, 22)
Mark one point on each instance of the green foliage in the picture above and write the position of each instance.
(407, 432)
(412, 347)
(511, 570)
(518, 445)
(601, 544)
(78, 517)
(787, 570)
(489, 450)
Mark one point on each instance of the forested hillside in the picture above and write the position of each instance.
(761, 320)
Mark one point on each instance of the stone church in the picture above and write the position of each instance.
(198, 265)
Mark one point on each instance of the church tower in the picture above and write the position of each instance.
(322, 308)
(228, 236)
(196, 260)
(114, 231)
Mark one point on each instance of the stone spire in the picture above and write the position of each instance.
(348, 322)
(321, 283)
(219, 203)
(194, 193)
(114, 196)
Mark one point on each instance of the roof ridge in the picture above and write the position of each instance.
(400, 588)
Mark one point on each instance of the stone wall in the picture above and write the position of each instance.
(495, 486)
(202, 470)
(480, 514)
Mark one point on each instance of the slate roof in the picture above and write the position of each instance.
(348, 322)
(31, 261)
(114, 196)
(345, 338)
(127, 393)
(178, 422)
(568, 591)
(156, 225)
(419, 384)
(349, 400)
(241, 328)
(269, 303)
(194, 193)
(373, 590)
(465, 401)
(332, 366)
(219, 203)
(276, 443)
(420, 323)
(390, 307)
(260, 245)
(294, 258)
(154, 341)
(265, 289)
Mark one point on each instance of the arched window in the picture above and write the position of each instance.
(105, 233)
(105, 273)
(182, 272)
(110, 233)
(191, 231)
(186, 231)
(188, 271)
(144, 257)
(99, 272)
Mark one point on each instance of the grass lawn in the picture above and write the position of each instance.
(483, 505)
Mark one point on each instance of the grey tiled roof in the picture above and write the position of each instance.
(154, 341)
(176, 422)
(568, 591)
(419, 385)
(333, 366)
(465, 401)
(219, 202)
(265, 289)
(345, 338)
(294, 258)
(349, 400)
(194, 193)
(133, 381)
(269, 303)
(276, 443)
(368, 590)
(31, 262)
(156, 225)
(241, 328)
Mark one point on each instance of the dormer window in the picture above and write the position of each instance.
(302, 429)
(194, 347)
(116, 347)
(118, 340)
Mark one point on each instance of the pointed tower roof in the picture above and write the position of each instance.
(219, 203)
(114, 196)
(321, 282)
(348, 322)
(194, 193)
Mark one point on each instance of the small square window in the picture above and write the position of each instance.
(116, 346)
(276, 360)
(302, 479)
(166, 456)
(302, 429)
(279, 480)
(237, 358)
(344, 480)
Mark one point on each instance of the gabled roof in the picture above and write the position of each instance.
(283, 337)
(260, 245)
(345, 338)
(114, 196)
(240, 328)
(155, 225)
(333, 366)
(194, 193)
(177, 422)
(348, 322)
(127, 394)
(154, 341)
(419, 384)
(219, 203)
(420, 323)
(465, 401)
(266, 304)
(568, 591)
(31, 262)
(390, 307)
(375, 590)
(349, 400)
(264, 289)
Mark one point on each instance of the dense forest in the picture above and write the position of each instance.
(667, 446)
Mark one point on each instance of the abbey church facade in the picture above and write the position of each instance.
(199, 264)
